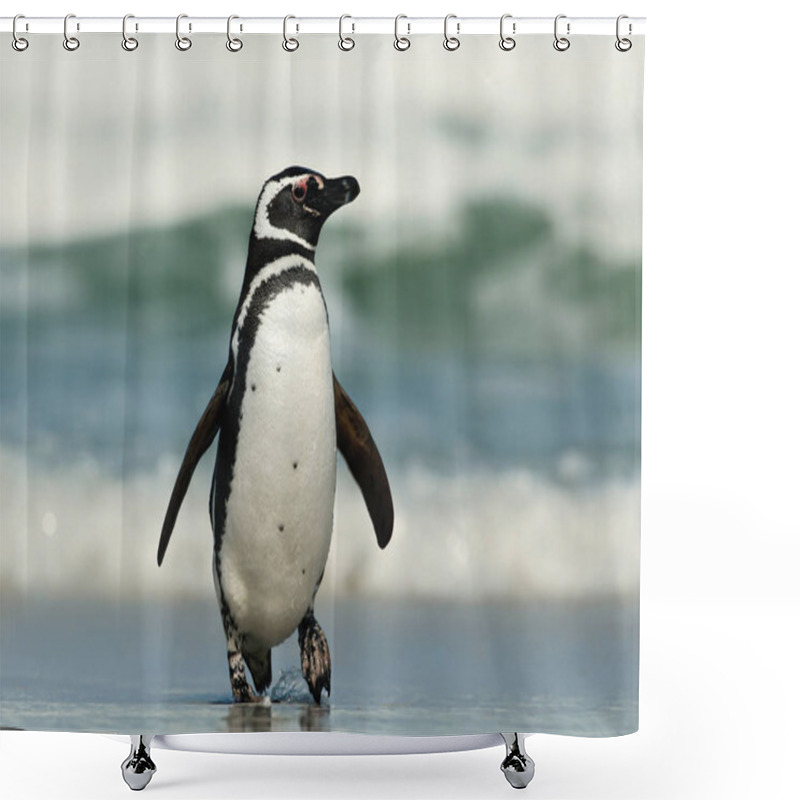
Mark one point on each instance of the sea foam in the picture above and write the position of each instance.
(480, 534)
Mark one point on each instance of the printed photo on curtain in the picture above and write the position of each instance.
(320, 385)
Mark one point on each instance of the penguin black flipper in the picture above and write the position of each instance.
(356, 444)
(201, 440)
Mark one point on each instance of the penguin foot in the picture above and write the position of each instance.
(243, 692)
(253, 698)
(315, 657)
(246, 694)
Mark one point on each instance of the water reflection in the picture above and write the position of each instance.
(259, 718)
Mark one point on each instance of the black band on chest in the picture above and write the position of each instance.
(229, 429)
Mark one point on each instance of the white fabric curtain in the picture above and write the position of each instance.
(483, 297)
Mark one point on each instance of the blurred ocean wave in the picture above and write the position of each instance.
(503, 279)
(497, 366)
(501, 340)
(477, 534)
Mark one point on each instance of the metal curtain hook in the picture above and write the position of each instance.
(401, 42)
(233, 44)
(507, 42)
(289, 44)
(451, 42)
(183, 43)
(346, 42)
(561, 43)
(17, 42)
(623, 45)
(129, 43)
(71, 43)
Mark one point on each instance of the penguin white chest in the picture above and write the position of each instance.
(279, 511)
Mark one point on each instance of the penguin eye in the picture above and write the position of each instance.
(299, 191)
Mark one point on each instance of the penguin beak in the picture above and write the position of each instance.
(335, 193)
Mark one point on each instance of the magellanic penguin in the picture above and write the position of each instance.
(280, 414)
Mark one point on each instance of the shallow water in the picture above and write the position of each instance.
(402, 668)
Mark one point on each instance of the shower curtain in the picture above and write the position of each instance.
(481, 275)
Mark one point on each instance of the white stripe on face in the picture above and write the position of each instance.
(262, 226)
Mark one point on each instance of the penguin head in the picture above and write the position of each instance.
(295, 203)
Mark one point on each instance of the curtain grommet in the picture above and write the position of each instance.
(623, 44)
(71, 43)
(233, 44)
(346, 43)
(451, 43)
(129, 43)
(401, 43)
(507, 43)
(183, 43)
(561, 43)
(19, 43)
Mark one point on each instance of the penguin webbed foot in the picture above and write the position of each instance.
(246, 694)
(315, 656)
(243, 692)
